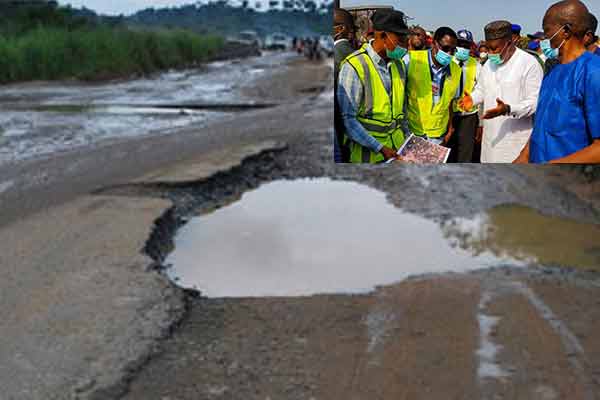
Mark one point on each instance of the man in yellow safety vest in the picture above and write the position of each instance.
(371, 91)
(466, 122)
(432, 87)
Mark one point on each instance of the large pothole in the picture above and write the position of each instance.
(246, 235)
(305, 237)
(466, 216)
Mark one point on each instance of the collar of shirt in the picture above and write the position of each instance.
(435, 69)
(461, 64)
(377, 59)
(339, 41)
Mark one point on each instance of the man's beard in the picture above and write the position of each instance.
(420, 47)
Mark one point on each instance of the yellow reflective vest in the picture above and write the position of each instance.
(423, 117)
(469, 79)
(380, 115)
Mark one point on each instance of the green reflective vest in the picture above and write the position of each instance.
(423, 117)
(381, 116)
(469, 80)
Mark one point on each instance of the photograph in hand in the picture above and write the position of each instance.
(421, 151)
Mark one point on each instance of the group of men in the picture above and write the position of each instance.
(538, 105)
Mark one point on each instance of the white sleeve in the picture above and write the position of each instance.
(531, 90)
(478, 94)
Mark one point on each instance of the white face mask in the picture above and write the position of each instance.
(483, 55)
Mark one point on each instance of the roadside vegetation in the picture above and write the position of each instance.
(54, 43)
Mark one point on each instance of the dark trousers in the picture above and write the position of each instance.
(462, 141)
(343, 150)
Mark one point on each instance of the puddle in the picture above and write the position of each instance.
(530, 236)
(42, 118)
(4, 186)
(146, 109)
(114, 109)
(305, 237)
(33, 134)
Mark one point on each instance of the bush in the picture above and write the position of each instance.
(99, 53)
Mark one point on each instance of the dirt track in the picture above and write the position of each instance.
(106, 326)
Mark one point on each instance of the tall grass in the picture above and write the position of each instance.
(99, 53)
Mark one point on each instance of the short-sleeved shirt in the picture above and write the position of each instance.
(568, 117)
(597, 52)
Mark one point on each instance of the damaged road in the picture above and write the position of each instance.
(87, 312)
(500, 333)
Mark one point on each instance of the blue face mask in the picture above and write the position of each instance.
(443, 58)
(397, 54)
(547, 48)
(497, 58)
(462, 54)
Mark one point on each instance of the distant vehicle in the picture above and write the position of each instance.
(249, 38)
(326, 45)
(277, 41)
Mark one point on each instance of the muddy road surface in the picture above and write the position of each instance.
(139, 269)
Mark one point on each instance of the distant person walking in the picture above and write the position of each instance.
(316, 50)
(371, 91)
(567, 125)
(344, 34)
(508, 88)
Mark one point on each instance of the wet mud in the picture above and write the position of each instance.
(41, 119)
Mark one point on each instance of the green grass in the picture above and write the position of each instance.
(99, 53)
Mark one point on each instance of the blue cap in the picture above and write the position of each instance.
(516, 29)
(533, 45)
(465, 35)
(537, 35)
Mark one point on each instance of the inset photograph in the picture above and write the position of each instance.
(509, 87)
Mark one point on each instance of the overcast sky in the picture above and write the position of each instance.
(473, 14)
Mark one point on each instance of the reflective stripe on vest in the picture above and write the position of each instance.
(423, 117)
(380, 115)
(469, 82)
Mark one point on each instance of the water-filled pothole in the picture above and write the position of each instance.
(528, 235)
(304, 237)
